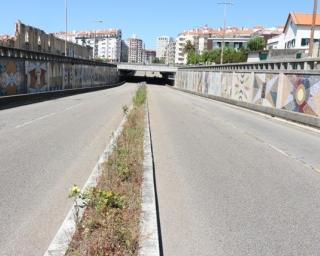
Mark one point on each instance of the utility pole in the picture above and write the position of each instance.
(66, 39)
(314, 18)
(225, 4)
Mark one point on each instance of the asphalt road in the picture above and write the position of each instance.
(233, 182)
(45, 148)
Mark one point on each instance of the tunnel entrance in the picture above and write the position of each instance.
(148, 77)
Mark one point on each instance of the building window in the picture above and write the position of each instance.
(291, 44)
(305, 41)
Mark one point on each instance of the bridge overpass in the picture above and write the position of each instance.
(161, 68)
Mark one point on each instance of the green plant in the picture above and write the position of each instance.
(256, 44)
(123, 171)
(140, 96)
(101, 199)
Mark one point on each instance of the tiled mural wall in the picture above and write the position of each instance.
(24, 76)
(298, 93)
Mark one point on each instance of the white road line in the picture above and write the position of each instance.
(278, 150)
(35, 120)
(46, 116)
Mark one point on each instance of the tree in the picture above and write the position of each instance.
(189, 47)
(256, 44)
(156, 60)
(192, 57)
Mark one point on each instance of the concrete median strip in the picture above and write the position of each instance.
(149, 242)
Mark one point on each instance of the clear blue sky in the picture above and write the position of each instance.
(146, 18)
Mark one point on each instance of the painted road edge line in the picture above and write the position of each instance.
(149, 236)
(62, 239)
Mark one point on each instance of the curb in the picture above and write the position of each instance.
(274, 112)
(62, 239)
(150, 239)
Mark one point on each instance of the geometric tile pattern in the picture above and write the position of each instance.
(259, 85)
(11, 77)
(226, 84)
(25, 76)
(301, 93)
(242, 89)
(55, 75)
(37, 76)
(271, 90)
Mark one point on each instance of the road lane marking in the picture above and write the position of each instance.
(278, 150)
(46, 116)
(35, 120)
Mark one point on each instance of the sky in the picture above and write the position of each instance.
(148, 19)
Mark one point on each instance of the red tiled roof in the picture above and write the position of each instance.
(302, 19)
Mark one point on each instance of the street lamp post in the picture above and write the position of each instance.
(95, 38)
(66, 20)
(314, 18)
(225, 3)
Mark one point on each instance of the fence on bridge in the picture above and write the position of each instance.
(292, 86)
(24, 72)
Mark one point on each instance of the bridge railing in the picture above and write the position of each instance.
(42, 56)
(306, 64)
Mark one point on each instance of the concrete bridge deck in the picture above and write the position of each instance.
(147, 67)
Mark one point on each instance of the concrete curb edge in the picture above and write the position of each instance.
(284, 114)
(150, 235)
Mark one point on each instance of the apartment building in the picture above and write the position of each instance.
(136, 48)
(106, 43)
(149, 56)
(170, 53)
(124, 51)
(205, 39)
(161, 47)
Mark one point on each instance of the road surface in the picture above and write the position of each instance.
(233, 182)
(45, 148)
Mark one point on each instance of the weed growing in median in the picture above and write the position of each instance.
(110, 225)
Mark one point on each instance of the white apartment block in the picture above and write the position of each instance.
(206, 39)
(181, 41)
(162, 45)
(170, 53)
(106, 43)
(136, 49)
(296, 34)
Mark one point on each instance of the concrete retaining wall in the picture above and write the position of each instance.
(25, 76)
(287, 95)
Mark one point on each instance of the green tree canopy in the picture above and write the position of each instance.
(256, 44)
(213, 56)
(189, 47)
